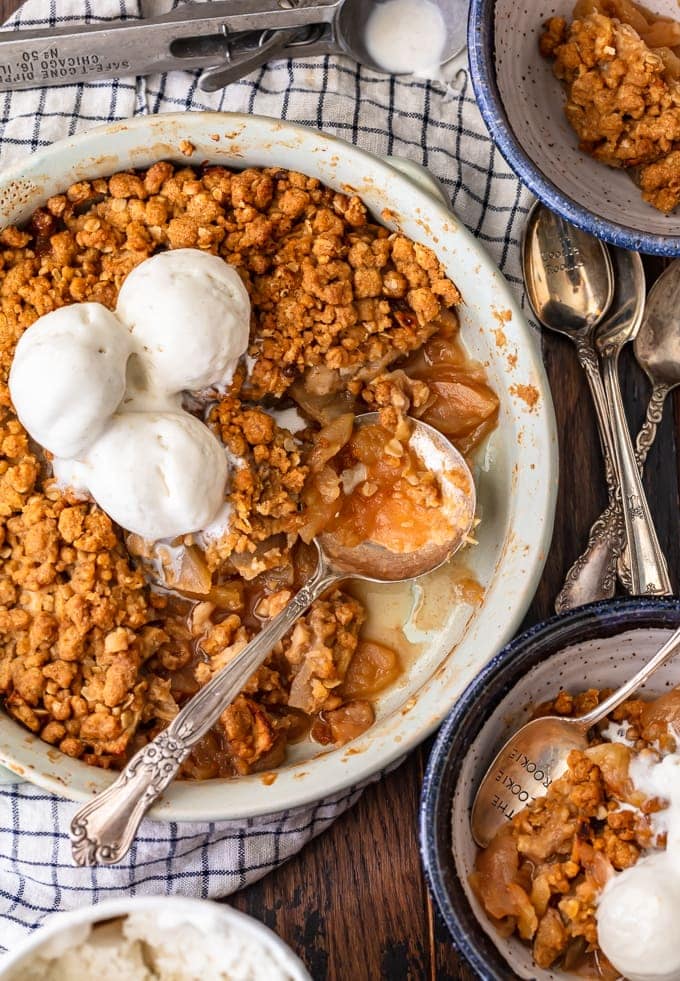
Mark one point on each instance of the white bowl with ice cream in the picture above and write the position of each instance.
(144, 938)
(446, 640)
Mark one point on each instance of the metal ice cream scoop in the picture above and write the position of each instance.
(227, 38)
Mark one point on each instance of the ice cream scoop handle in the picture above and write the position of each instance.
(103, 830)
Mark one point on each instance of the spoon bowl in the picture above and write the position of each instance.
(103, 830)
(625, 319)
(378, 564)
(657, 345)
(353, 16)
(568, 274)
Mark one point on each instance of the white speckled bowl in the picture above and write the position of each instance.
(208, 916)
(522, 104)
(516, 481)
(598, 646)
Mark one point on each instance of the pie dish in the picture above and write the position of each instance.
(525, 413)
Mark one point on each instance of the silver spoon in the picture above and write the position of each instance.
(657, 349)
(537, 754)
(645, 560)
(104, 828)
(570, 285)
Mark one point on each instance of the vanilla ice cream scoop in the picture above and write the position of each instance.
(189, 314)
(158, 474)
(68, 376)
(637, 921)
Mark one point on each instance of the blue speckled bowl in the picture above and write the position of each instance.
(522, 104)
(599, 645)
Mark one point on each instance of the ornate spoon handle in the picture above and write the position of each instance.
(593, 575)
(104, 828)
(588, 360)
(643, 444)
(649, 572)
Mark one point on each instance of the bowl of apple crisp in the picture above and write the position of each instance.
(194, 309)
(584, 880)
(583, 100)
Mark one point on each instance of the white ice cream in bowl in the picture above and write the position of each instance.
(153, 939)
(158, 474)
(189, 315)
(68, 376)
(103, 391)
(637, 912)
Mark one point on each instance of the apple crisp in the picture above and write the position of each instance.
(620, 65)
(543, 874)
(105, 635)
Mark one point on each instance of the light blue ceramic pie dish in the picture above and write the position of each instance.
(522, 104)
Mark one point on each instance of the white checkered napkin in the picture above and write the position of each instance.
(423, 121)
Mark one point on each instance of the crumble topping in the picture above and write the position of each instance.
(621, 71)
(94, 657)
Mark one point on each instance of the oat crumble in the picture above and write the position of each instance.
(95, 658)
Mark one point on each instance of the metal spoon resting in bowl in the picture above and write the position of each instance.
(537, 755)
(104, 828)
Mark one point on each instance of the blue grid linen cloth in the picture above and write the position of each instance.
(432, 124)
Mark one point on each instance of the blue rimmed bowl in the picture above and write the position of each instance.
(595, 646)
(523, 106)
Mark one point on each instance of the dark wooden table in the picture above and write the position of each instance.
(353, 903)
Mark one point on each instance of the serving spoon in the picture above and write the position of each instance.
(104, 828)
(537, 754)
